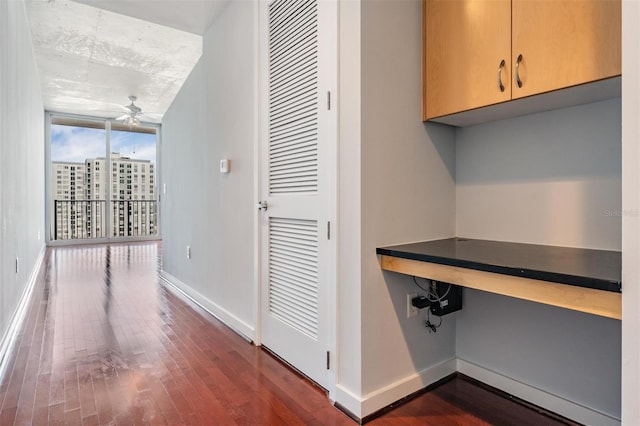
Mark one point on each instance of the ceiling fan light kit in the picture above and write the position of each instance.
(131, 121)
(130, 118)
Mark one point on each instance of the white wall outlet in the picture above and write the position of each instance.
(412, 311)
(225, 165)
(38, 235)
(188, 252)
(164, 188)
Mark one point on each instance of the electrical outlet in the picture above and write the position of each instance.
(412, 311)
(188, 252)
(38, 235)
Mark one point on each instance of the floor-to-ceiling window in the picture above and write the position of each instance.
(101, 180)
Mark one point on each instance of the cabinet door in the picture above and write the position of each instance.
(564, 43)
(464, 43)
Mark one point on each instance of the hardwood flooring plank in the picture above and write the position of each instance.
(73, 417)
(56, 414)
(91, 421)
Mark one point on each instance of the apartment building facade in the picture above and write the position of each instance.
(82, 203)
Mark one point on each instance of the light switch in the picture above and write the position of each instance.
(225, 165)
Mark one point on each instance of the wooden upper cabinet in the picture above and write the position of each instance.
(465, 42)
(564, 43)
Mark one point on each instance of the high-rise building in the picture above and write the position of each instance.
(67, 187)
(80, 191)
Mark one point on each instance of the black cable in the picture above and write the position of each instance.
(433, 328)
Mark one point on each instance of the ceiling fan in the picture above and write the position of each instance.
(134, 114)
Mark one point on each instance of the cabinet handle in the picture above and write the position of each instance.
(518, 70)
(500, 85)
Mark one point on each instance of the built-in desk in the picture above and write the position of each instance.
(579, 279)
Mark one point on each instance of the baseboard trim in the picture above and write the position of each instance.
(348, 402)
(408, 398)
(536, 396)
(245, 330)
(371, 403)
(9, 338)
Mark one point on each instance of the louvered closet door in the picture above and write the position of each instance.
(297, 164)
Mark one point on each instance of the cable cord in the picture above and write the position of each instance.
(436, 297)
(432, 296)
(433, 328)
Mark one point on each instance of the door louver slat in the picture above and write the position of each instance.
(295, 262)
(284, 97)
(293, 273)
(293, 97)
(286, 36)
(280, 30)
(282, 11)
(289, 133)
(306, 140)
(302, 80)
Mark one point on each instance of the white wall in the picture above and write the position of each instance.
(631, 209)
(407, 194)
(349, 257)
(549, 178)
(213, 117)
(21, 160)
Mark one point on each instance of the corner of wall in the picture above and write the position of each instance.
(349, 255)
(406, 188)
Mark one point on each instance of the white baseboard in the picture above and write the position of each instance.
(348, 400)
(546, 400)
(236, 324)
(374, 401)
(9, 337)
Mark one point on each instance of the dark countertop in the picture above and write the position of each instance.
(598, 269)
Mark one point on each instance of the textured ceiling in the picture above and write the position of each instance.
(90, 60)
(194, 16)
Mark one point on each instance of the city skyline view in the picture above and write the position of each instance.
(76, 144)
(96, 197)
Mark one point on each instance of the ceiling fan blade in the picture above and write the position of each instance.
(122, 117)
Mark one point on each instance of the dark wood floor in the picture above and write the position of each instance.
(105, 343)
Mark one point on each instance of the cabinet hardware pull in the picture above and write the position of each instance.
(518, 70)
(500, 85)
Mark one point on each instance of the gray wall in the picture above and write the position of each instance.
(408, 193)
(213, 117)
(550, 178)
(21, 159)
